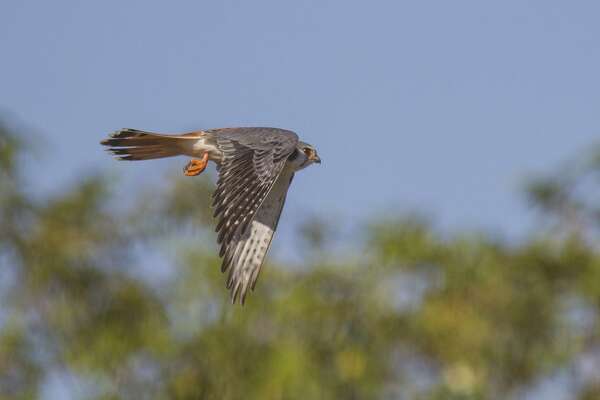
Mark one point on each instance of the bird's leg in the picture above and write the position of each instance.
(195, 166)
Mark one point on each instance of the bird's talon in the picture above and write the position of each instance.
(195, 167)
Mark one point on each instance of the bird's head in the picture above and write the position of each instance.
(304, 156)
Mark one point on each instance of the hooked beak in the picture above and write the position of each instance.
(317, 159)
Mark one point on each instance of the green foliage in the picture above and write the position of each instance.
(417, 314)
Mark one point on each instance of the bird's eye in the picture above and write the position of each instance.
(307, 151)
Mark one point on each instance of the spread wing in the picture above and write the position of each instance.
(252, 164)
(247, 252)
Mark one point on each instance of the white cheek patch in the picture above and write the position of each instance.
(298, 162)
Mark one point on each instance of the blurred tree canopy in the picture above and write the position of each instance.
(416, 315)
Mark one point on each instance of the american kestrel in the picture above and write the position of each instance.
(255, 166)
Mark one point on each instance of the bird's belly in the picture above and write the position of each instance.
(201, 146)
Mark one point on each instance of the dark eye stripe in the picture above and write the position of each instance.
(294, 155)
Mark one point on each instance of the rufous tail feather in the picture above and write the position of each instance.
(133, 145)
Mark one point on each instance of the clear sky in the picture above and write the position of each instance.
(441, 106)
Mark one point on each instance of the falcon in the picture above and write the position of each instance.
(255, 168)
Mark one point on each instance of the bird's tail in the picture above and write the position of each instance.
(132, 145)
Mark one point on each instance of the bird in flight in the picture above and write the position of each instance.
(255, 167)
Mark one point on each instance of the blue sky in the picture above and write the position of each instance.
(432, 105)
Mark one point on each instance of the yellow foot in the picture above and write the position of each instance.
(195, 167)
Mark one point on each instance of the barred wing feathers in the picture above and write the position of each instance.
(252, 165)
(248, 251)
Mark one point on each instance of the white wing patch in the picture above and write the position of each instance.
(252, 247)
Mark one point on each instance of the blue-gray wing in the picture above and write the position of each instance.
(253, 160)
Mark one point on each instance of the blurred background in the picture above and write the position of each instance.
(447, 247)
